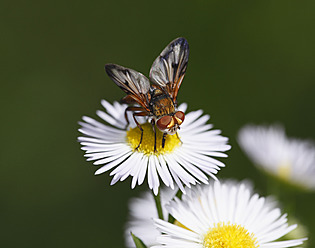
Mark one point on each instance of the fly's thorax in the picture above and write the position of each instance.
(161, 104)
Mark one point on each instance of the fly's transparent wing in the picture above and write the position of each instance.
(130, 81)
(168, 70)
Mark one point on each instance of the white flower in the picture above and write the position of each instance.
(186, 160)
(142, 210)
(224, 215)
(291, 160)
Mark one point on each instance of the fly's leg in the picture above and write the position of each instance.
(153, 127)
(134, 114)
(163, 139)
(132, 109)
(139, 126)
(179, 138)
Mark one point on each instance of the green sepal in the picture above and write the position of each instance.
(138, 242)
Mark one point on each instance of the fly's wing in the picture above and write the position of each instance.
(132, 82)
(168, 70)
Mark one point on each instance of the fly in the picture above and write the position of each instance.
(158, 99)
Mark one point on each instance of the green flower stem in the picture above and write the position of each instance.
(157, 199)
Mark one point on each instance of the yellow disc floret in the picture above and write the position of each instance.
(229, 236)
(284, 171)
(147, 144)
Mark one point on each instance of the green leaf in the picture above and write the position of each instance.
(139, 243)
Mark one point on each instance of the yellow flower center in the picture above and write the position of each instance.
(147, 144)
(229, 236)
(284, 171)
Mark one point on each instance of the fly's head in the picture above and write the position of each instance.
(170, 123)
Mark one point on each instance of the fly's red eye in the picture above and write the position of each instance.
(180, 117)
(163, 122)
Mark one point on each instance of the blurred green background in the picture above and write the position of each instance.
(250, 62)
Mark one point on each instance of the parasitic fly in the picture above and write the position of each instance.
(158, 100)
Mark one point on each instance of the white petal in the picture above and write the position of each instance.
(112, 164)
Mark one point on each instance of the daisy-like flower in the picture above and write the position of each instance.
(223, 216)
(185, 159)
(291, 160)
(142, 210)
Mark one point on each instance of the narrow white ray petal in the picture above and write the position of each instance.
(215, 154)
(99, 133)
(134, 181)
(153, 179)
(126, 166)
(191, 117)
(210, 135)
(198, 130)
(110, 159)
(109, 119)
(191, 168)
(115, 179)
(112, 110)
(120, 108)
(176, 230)
(232, 204)
(107, 137)
(266, 219)
(196, 219)
(202, 158)
(283, 244)
(259, 204)
(213, 205)
(250, 207)
(112, 164)
(161, 172)
(166, 171)
(219, 198)
(202, 133)
(183, 175)
(178, 243)
(89, 149)
(177, 181)
(205, 166)
(143, 169)
(198, 122)
(116, 157)
(278, 233)
(94, 140)
(111, 146)
(123, 177)
(138, 168)
(208, 203)
(183, 107)
(90, 122)
(200, 147)
(135, 169)
(269, 220)
(98, 155)
(280, 224)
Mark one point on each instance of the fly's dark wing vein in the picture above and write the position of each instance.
(168, 70)
(135, 84)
